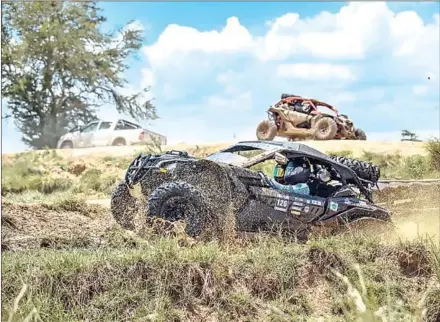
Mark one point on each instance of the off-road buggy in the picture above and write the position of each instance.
(296, 117)
(222, 187)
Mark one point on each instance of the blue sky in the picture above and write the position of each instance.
(215, 67)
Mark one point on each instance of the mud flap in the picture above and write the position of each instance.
(124, 206)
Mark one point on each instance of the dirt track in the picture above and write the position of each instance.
(357, 148)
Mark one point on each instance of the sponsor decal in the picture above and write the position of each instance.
(308, 201)
(282, 196)
(316, 202)
(281, 205)
(295, 212)
(298, 204)
(306, 209)
(333, 206)
(296, 208)
(298, 199)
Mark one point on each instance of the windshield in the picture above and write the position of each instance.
(234, 158)
(227, 157)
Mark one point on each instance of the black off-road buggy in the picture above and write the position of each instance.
(222, 187)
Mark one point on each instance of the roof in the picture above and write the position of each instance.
(271, 145)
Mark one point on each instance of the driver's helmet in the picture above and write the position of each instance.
(298, 171)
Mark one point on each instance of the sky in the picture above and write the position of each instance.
(215, 67)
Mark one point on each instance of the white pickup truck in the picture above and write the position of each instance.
(107, 133)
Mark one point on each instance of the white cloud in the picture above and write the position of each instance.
(239, 103)
(420, 89)
(147, 78)
(178, 41)
(350, 33)
(317, 72)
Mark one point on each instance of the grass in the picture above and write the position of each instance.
(145, 277)
(267, 280)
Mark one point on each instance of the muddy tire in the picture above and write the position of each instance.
(360, 135)
(363, 169)
(266, 131)
(325, 128)
(119, 142)
(67, 145)
(175, 201)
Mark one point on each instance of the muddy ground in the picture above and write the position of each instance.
(38, 226)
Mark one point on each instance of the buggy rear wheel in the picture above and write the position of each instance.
(266, 131)
(360, 135)
(325, 128)
(180, 201)
(66, 145)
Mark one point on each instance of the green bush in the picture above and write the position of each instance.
(416, 166)
(433, 149)
(95, 180)
(23, 175)
(381, 159)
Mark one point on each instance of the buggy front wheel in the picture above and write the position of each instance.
(266, 130)
(180, 201)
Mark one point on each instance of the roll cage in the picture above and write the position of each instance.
(313, 103)
(294, 150)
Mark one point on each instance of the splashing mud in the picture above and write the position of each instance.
(416, 211)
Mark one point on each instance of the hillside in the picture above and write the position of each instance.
(356, 147)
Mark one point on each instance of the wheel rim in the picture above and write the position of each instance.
(181, 209)
(323, 129)
(264, 129)
(176, 208)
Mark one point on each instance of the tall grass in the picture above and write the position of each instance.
(263, 280)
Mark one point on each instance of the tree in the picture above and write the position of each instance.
(409, 136)
(58, 67)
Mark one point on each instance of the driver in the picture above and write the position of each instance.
(291, 175)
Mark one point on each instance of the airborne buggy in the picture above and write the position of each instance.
(197, 191)
(296, 117)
